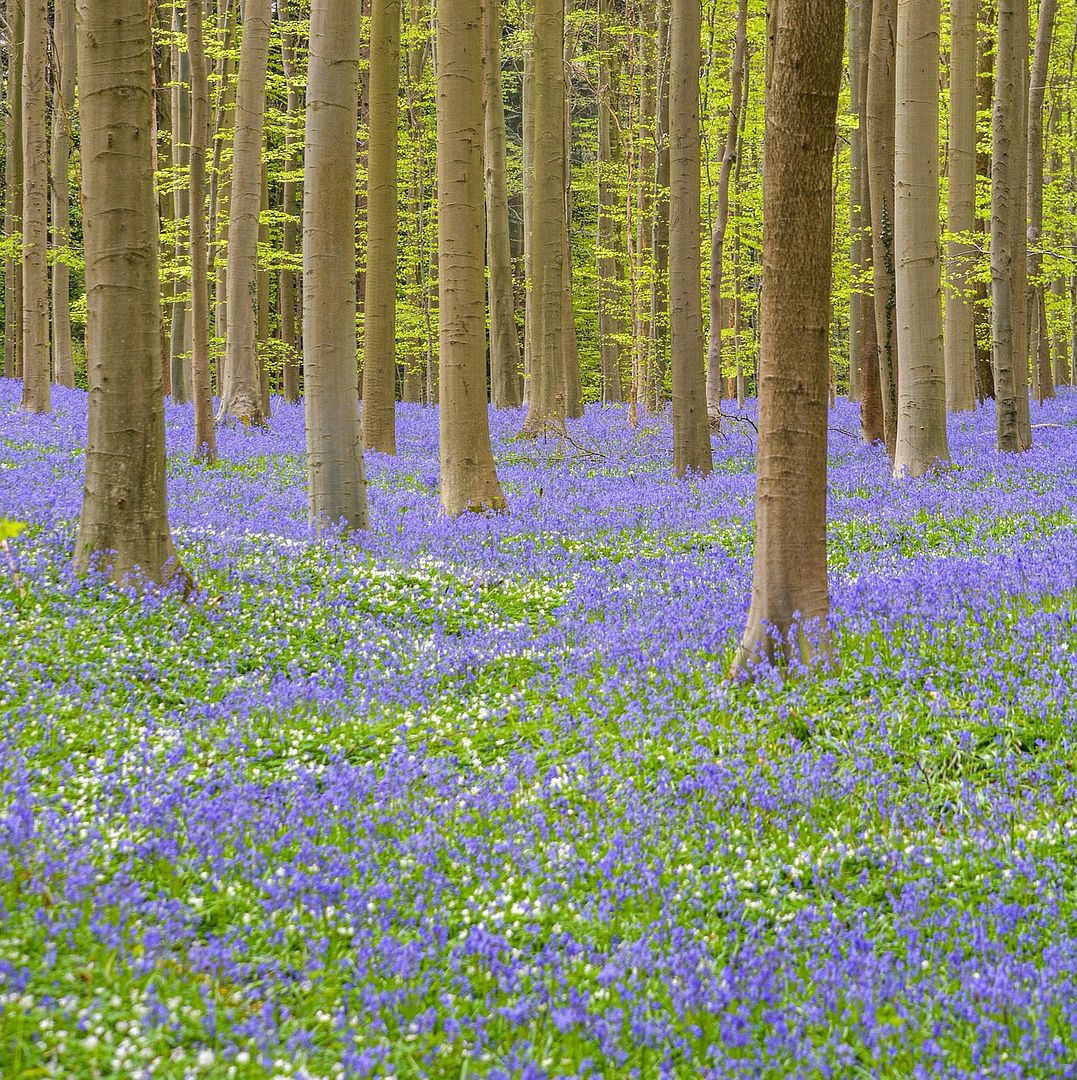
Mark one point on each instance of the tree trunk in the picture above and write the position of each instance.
(721, 221)
(660, 237)
(36, 396)
(856, 215)
(1041, 351)
(263, 308)
(570, 353)
(921, 430)
(205, 435)
(985, 78)
(960, 348)
(880, 147)
(468, 477)
(220, 183)
(691, 429)
(289, 330)
(241, 393)
(1019, 224)
(379, 319)
(336, 474)
(63, 120)
(13, 183)
(125, 507)
(180, 340)
(790, 598)
(546, 405)
(505, 356)
(527, 199)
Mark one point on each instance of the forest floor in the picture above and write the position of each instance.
(474, 798)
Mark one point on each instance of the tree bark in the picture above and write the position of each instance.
(921, 426)
(855, 10)
(335, 469)
(13, 183)
(659, 351)
(960, 347)
(790, 598)
(63, 119)
(241, 393)
(985, 77)
(468, 476)
(125, 508)
(180, 339)
(379, 311)
(721, 220)
(691, 427)
(205, 435)
(289, 329)
(36, 395)
(880, 147)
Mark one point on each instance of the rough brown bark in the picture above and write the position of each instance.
(468, 476)
(335, 470)
(790, 598)
(124, 510)
(691, 427)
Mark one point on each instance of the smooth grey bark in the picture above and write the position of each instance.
(63, 120)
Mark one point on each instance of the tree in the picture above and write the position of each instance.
(63, 120)
(789, 580)
(468, 476)
(960, 346)
(921, 423)
(181, 331)
(205, 436)
(241, 393)
(691, 427)
(292, 143)
(13, 174)
(124, 509)
(36, 396)
(379, 308)
(504, 338)
(336, 475)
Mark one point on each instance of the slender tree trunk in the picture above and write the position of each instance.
(570, 354)
(660, 236)
(220, 183)
(790, 595)
(527, 199)
(871, 401)
(13, 183)
(241, 394)
(205, 435)
(985, 78)
(263, 308)
(1019, 224)
(379, 322)
(921, 431)
(336, 475)
(125, 506)
(1041, 352)
(721, 222)
(180, 340)
(36, 396)
(691, 429)
(505, 356)
(468, 477)
(961, 210)
(880, 147)
(1004, 208)
(289, 329)
(161, 134)
(856, 215)
(63, 119)
(546, 405)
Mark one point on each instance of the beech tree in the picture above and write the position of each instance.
(336, 475)
(468, 476)
(63, 122)
(124, 508)
(790, 596)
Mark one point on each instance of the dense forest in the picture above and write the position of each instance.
(538, 539)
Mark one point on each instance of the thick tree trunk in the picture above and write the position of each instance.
(13, 184)
(379, 311)
(1041, 351)
(691, 427)
(505, 359)
(880, 147)
(721, 219)
(205, 435)
(36, 396)
(241, 393)
(468, 477)
(961, 210)
(921, 428)
(336, 475)
(289, 329)
(546, 405)
(790, 597)
(125, 507)
(63, 120)
(180, 340)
